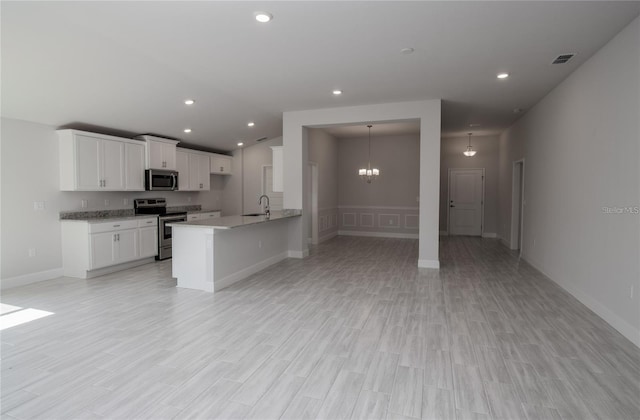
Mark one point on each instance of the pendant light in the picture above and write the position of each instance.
(469, 152)
(368, 174)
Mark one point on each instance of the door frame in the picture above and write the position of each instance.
(313, 201)
(449, 198)
(517, 208)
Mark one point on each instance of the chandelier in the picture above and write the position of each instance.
(469, 152)
(369, 174)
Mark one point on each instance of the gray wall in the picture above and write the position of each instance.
(582, 153)
(487, 157)
(247, 173)
(323, 150)
(29, 172)
(388, 205)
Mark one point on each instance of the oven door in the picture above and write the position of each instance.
(164, 231)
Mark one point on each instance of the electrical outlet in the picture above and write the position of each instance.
(84, 203)
(39, 205)
(259, 244)
(189, 199)
(390, 221)
(31, 252)
(125, 201)
(106, 202)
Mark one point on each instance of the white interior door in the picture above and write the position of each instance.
(466, 190)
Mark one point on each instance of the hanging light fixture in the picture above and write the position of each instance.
(469, 152)
(369, 174)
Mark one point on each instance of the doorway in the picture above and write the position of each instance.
(312, 227)
(466, 201)
(517, 205)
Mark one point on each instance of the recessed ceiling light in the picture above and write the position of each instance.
(240, 144)
(337, 92)
(263, 17)
(407, 51)
(189, 102)
(251, 124)
(187, 130)
(503, 75)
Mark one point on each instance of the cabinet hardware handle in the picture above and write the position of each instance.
(116, 225)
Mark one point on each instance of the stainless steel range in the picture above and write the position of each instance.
(159, 206)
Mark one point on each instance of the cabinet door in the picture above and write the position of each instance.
(148, 241)
(134, 167)
(194, 172)
(112, 165)
(88, 155)
(205, 174)
(221, 165)
(182, 165)
(103, 249)
(127, 245)
(155, 158)
(169, 155)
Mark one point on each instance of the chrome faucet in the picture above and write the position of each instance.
(267, 212)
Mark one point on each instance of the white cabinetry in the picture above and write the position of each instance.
(220, 164)
(182, 166)
(278, 168)
(199, 175)
(160, 152)
(202, 216)
(90, 249)
(97, 162)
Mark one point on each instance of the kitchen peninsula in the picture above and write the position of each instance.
(212, 254)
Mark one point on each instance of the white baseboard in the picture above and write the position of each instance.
(378, 234)
(489, 235)
(25, 279)
(114, 268)
(429, 264)
(505, 242)
(246, 272)
(622, 326)
(328, 236)
(298, 254)
(444, 233)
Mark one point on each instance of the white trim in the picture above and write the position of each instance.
(512, 242)
(378, 234)
(118, 267)
(321, 209)
(379, 207)
(406, 225)
(246, 272)
(396, 226)
(328, 236)
(429, 264)
(355, 220)
(298, 254)
(622, 326)
(373, 220)
(489, 235)
(444, 233)
(25, 279)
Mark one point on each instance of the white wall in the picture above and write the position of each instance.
(487, 157)
(295, 140)
(323, 150)
(30, 173)
(582, 153)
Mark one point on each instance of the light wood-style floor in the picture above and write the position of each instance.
(353, 331)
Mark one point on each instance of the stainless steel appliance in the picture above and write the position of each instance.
(160, 180)
(159, 206)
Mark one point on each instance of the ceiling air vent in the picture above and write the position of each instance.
(261, 139)
(563, 58)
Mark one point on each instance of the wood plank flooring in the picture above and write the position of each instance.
(354, 331)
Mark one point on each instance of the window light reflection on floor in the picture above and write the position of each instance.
(15, 315)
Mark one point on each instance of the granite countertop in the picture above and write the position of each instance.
(230, 222)
(202, 211)
(97, 216)
(107, 218)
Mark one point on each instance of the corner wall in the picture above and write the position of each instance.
(323, 150)
(581, 146)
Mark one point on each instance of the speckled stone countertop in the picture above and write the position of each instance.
(202, 211)
(231, 222)
(104, 215)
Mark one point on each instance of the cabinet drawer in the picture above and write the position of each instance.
(112, 226)
(191, 217)
(148, 222)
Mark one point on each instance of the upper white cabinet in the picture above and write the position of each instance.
(193, 170)
(278, 165)
(97, 162)
(160, 152)
(220, 164)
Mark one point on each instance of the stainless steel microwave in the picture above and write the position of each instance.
(160, 180)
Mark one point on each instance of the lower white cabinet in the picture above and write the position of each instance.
(89, 249)
(202, 216)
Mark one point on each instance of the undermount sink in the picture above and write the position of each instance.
(255, 214)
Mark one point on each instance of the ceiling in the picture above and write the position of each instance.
(128, 66)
